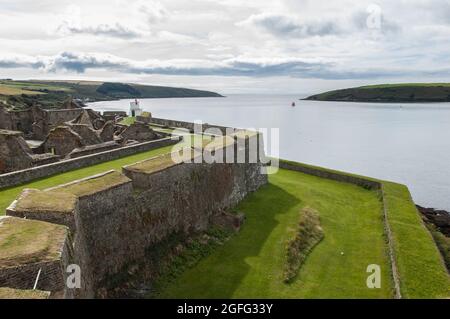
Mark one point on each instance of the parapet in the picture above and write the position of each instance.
(50, 206)
(151, 165)
(93, 184)
(39, 251)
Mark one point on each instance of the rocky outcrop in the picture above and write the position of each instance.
(439, 218)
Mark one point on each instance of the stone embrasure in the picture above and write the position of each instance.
(24, 241)
(33, 200)
(9, 293)
(93, 184)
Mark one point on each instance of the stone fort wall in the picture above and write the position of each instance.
(27, 175)
(185, 125)
(117, 216)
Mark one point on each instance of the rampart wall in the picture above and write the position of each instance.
(185, 125)
(116, 217)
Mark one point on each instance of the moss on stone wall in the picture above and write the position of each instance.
(25, 241)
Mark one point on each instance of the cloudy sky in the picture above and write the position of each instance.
(229, 46)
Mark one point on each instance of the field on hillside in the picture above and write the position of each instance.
(30, 88)
(51, 94)
(11, 90)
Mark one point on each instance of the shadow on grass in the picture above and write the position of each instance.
(222, 273)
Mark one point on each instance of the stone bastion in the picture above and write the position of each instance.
(105, 222)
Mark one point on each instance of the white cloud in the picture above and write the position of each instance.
(153, 12)
(230, 38)
(234, 66)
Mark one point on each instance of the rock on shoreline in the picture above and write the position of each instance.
(439, 218)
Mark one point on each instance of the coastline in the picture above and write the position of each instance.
(439, 218)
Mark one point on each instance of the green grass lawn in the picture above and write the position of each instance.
(7, 196)
(10, 90)
(128, 120)
(421, 267)
(17, 88)
(251, 264)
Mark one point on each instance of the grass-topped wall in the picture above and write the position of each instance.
(420, 268)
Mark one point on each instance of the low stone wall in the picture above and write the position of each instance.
(185, 125)
(93, 149)
(27, 175)
(24, 277)
(336, 176)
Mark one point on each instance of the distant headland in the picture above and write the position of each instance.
(389, 93)
(52, 94)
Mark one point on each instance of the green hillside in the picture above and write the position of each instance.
(51, 94)
(390, 93)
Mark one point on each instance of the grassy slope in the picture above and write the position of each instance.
(403, 92)
(128, 120)
(8, 90)
(250, 265)
(420, 265)
(7, 196)
(421, 268)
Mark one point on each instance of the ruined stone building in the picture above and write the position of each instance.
(15, 153)
(36, 122)
(63, 133)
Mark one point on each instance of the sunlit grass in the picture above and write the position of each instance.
(251, 264)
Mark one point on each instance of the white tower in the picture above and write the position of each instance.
(135, 109)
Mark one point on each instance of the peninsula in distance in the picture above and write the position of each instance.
(389, 93)
(52, 94)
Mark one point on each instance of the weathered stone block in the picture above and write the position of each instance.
(42, 247)
(49, 206)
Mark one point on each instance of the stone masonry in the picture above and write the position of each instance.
(114, 217)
